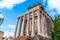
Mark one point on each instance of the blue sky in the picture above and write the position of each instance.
(10, 9)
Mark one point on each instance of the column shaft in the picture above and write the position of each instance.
(16, 28)
(22, 28)
(45, 27)
(39, 23)
(42, 25)
(19, 30)
(27, 28)
(32, 33)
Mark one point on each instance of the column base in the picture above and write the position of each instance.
(32, 35)
(27, 34)
(21, 35)
(39, 34)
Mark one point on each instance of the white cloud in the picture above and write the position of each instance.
(44, 1)
(9, 4)
(54, 4)
(52, 7)
(11, 26)
(1, 16)
(8, 34)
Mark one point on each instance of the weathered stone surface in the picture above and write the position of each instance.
(21, 38)
(36, 24)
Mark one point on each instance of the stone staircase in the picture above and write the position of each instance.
(31, 38)
(21, 38)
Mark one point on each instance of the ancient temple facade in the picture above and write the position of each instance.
(35, 24)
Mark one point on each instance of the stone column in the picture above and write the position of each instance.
(45, 27)
(28, 25)
(19, 30)
(22, 28)
(39, 22)
(32, 33)
(16, 28)
(24, 24)
(42, 24)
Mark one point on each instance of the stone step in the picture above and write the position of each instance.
(21, 38)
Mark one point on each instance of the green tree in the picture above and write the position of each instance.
(56, 34)
(1, 20)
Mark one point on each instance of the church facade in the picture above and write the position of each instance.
(35, 24)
